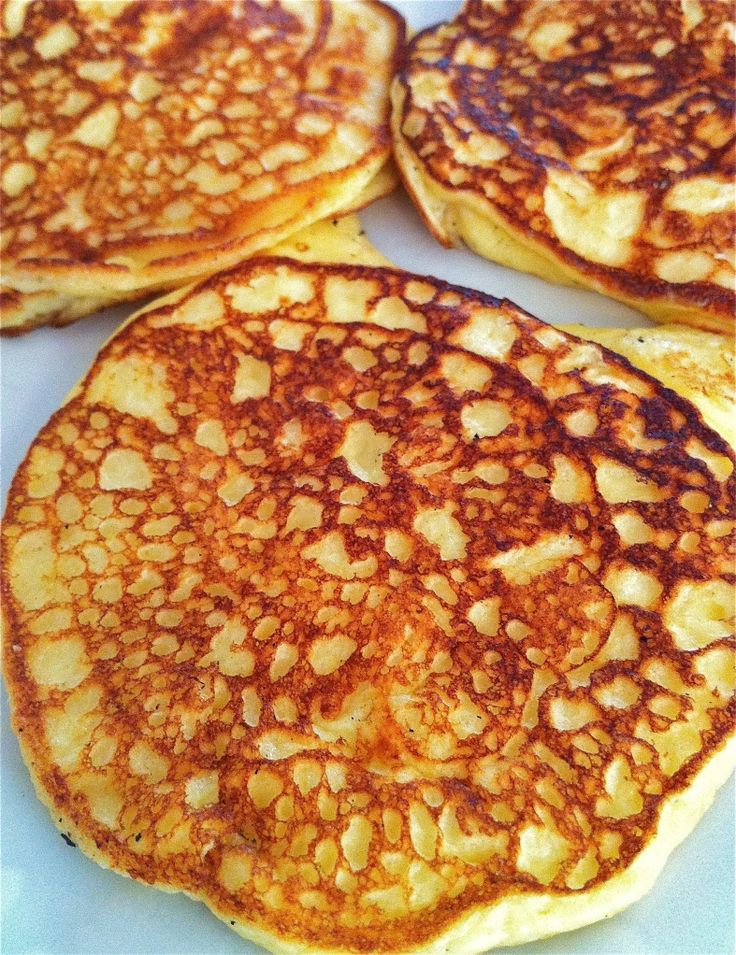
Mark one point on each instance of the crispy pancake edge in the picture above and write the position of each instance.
(22, 312)
(516, 920)
(697, 365)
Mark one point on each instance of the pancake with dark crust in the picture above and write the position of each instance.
(373, 612)
(148, 143)
(589, 142)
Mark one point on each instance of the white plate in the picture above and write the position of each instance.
(54, 900)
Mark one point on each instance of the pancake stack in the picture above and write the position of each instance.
(373, 612)
(147, 144)
(587, 142)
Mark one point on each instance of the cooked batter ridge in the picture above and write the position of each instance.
(590, 143)
(148, 143)
(373, 612)
(697, 365)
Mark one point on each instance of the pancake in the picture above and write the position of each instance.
(589, 143)
(341, 241)
(373, 612)
(22, 311)
(146, 144)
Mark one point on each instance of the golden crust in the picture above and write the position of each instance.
(582, 143)
(371, 611)
(147, 144)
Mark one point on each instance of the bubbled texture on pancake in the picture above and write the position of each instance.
(697, 365)
(351, 602)
(149, 143)
(599, 134)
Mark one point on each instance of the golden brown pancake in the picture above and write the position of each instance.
(588, 142)
(373, 612)
(146, 144)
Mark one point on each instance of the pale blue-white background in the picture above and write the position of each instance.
(54, 900)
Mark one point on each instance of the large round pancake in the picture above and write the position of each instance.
(373, 612)
(146, 144)
(586, 142)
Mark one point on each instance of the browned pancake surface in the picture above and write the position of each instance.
(602, 132)
(147, 143)
(349, 630)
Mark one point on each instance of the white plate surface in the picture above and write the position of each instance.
(54, 900)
